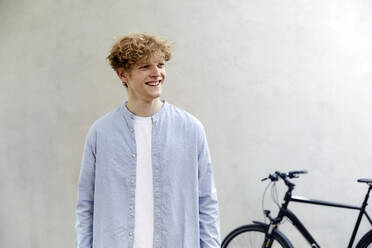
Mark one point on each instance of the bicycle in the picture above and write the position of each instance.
(262, 235)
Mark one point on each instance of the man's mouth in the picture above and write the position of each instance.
(154, 83)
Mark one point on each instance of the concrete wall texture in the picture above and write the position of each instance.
(279, 85)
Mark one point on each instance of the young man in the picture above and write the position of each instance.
(146, 179)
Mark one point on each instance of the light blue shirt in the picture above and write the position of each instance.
(186, 211)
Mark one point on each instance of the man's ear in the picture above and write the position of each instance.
(122, 75)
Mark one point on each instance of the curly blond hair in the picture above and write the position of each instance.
(137, 47)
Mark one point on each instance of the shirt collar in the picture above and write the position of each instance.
(129, 116)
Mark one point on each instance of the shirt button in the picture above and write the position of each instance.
(131, 214)
(132, 181)
(133, 155)
(132, 130)
(131, 234)
(131, 207)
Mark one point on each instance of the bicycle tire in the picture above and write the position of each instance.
(365, 241)
(252, 236)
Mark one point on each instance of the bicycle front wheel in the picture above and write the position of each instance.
(253, 236)
(366, 241)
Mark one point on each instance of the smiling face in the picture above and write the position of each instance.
(145, 80)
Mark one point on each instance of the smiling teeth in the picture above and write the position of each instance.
(154, 84)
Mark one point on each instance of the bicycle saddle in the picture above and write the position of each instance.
(363, 180)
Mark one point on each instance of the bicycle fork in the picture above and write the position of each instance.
(268, 242)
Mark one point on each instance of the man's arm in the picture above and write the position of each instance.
(209, 220)
(85, 202)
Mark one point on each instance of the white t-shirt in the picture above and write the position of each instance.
(144, 198)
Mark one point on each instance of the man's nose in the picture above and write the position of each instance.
(155, 71)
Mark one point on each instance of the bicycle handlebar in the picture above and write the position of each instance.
(291, 174)
(294, 174)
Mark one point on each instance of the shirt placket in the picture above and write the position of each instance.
(132, 183)
(156, 183)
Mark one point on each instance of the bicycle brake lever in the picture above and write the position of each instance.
(273, 178)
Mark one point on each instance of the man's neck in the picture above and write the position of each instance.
(144, 109)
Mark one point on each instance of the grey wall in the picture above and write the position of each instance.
(279, 85)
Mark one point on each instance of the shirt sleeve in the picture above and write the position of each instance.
(209, 221)
(85, 201)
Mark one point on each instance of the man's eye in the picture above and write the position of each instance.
(145, 66)
(161, 65)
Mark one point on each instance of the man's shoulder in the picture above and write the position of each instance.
(107, 120)
(183, 117)
(177, 112)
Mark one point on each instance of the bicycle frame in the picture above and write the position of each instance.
(285, 212)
